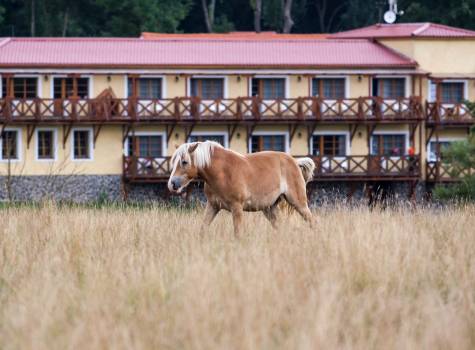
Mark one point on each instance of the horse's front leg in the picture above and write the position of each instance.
(237, 213)
(210, 213)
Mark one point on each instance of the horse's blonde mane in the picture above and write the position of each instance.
(201, 156)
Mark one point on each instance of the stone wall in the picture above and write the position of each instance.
(94, 188)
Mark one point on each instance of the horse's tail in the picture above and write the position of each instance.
(307, 166)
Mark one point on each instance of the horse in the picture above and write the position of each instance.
(238, 183)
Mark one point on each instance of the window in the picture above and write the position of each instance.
(452, 92)
(145, 88)
(436, 150)
(145, 146)
(329, 145)
(70, 87)
(200, 138)
(269, 88)
(45, 144)
(389, 88)
(207, 88)
(388, 145)
(332, 89)
(82, 144)
(20, 87)
(10, 145)
(268, 143)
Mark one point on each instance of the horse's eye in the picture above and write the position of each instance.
(184, 162)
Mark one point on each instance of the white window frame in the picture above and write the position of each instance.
(345, 77)
(407, 82)
(286, 83)
(89, 84)
(270, 133)
(91, 144)
(441, 139)
(225, 83)
(163, 84)
(18, 146)
(377, 133)
(55, 145)
(434, 98)
(333, 133)
(212, 133)
(147, 133)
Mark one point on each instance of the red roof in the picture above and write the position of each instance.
(172, 53)
(233, 36)
(406, 30)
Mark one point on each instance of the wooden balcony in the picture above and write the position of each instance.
(191, 109)
(348, 168)
(442, 172)
(449, 114)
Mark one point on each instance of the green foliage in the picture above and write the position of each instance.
(461, 158)
(130, 17)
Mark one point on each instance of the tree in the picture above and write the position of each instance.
(208, 11)
(257, 7)
(461, 159)
(288, 22)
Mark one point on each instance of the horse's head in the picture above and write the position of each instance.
(185, 168)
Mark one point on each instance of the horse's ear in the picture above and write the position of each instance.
(193, 147)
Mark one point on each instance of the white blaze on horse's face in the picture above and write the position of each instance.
(184, 171)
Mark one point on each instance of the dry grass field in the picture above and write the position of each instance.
(78, 278)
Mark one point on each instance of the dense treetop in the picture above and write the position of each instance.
(131, 17)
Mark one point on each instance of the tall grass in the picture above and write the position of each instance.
(141, 278)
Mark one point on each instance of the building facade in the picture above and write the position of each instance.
(88, 118)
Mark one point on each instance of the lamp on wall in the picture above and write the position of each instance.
(46, 78)
(299, 135)
(238, 135)
(177, 135)
(299, 78)
(109, 78)
(360, 78)
(238, 78)
(177, 78)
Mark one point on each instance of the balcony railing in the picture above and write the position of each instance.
(148, 169)
(442, 172)
(367, 167)
(443, 113)
(195, 109)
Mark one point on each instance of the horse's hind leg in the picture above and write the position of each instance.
(297, 198)
(271, 215)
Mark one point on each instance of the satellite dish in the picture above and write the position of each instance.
(390, 17)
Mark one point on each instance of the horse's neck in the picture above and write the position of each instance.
(220, 159)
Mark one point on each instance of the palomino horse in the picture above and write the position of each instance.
(237, 183)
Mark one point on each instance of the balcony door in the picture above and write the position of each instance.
(67, 89)
(147, 152)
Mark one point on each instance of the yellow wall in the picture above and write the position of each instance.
(438, 55)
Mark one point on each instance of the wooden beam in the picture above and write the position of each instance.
(30, 129)
(66, 131)
(231, 131)
(126, 131)
(370, 129)
(353, 128)
(292, 130)
(97, 130)
(170, 131)
(188, 131)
